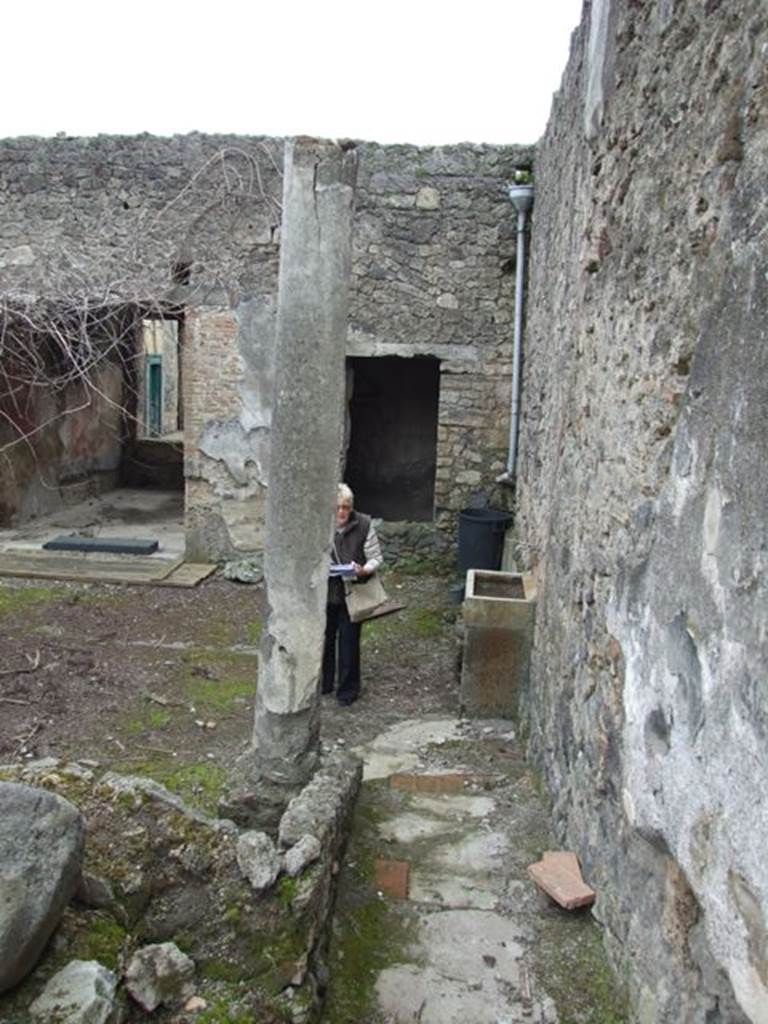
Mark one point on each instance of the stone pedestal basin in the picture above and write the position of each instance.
(499, 612)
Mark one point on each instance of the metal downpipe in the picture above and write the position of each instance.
(522, 197)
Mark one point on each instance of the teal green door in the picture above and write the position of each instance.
(154, 395)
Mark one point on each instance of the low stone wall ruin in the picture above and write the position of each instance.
(154, 907)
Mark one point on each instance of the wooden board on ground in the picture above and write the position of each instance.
(388, 608)
(35, 564)
(188, 574)
(559, 875)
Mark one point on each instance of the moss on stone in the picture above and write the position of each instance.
(286, 890)
(368, 938)
(220, 970)
(571, 965)
(369, 933)
(225, 1010)
(274, 955)
(101, 938)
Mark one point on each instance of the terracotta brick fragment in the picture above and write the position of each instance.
(559, 875)
(437, 785)
(392, 878)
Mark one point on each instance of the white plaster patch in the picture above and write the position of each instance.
(629, 806)
(412, 736)
(410, 827)
(381, 766)
(597, 55)
(476, 855)
(750, 991)
(238, 449)
(453, 807)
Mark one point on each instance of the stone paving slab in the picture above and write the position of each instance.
(464, 946)
(448, 889)
(400, 748)
(473, 973)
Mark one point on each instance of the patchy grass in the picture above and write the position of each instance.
(21, 599)
(253, 632)
(412, 623)
(220, 694)
(149, 719)
(199, 784)
(219, 681)
(425, 623)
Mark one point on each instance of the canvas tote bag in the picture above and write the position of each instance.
(363, 597)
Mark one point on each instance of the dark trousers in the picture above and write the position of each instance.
(337, 625)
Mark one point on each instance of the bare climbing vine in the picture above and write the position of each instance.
(84, 314)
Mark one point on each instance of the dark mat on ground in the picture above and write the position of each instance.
(109, 545)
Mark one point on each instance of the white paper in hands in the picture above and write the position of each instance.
(344, 569)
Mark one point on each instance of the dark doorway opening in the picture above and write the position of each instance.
(153, 455)
(392, 453)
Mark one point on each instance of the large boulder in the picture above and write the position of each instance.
(82, 993)
(41, 848)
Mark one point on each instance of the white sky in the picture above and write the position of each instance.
(420, 71)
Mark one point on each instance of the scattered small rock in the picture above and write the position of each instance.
(82, 993)
(258, 859)
(160, 975)
(246, 570)
(94, 892)
(305, 852)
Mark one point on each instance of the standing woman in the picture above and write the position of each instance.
(354, 541)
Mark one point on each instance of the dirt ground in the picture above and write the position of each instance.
(156, 681)
(160, 682)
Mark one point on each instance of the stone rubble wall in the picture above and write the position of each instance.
(155, 870)
(642, 492)
(124, 219)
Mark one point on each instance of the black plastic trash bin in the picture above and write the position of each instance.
(481, 538)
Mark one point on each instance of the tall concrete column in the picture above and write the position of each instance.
(307, 421)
